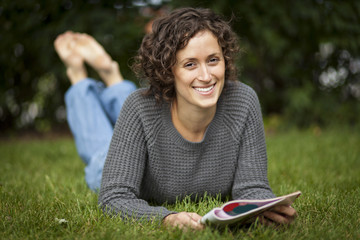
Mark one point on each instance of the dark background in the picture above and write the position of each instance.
(301, 57)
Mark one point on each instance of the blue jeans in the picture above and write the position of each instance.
(92, 110)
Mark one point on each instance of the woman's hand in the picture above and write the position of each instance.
(278, 215)
(184, 220)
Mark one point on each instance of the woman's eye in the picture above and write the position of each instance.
(189, 65)
(213, 60)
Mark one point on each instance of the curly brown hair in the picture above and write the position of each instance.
(157, 53)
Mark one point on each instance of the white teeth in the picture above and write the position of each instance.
(205, 89)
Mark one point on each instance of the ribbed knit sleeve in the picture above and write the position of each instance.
(124, 168)
(250, 180)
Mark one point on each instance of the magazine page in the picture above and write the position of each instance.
(241, 211)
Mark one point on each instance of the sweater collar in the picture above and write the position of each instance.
(176, 137)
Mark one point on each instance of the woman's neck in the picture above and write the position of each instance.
(191, 122)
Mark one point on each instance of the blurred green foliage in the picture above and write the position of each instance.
(301, 57)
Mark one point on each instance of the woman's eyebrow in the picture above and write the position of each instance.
(188, 59)
(194, 58)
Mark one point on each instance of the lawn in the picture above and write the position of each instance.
(43, 194)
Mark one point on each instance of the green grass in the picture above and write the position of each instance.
(43, 180)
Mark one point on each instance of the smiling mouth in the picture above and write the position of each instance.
(207, 89)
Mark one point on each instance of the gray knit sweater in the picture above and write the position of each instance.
(149, 160)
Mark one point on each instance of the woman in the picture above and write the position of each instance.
(195, 130)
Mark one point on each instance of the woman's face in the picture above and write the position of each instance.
(199, 72)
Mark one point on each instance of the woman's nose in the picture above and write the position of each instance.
(204, 74)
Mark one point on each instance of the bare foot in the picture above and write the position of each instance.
(64, 45)
(95, 55)
(113, 75)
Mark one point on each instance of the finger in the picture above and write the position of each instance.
(196, 225)
(264, 221)
(278, 218)
(196, 217)
(184, 220)
(285, 210)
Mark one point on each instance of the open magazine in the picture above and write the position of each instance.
(243, 211)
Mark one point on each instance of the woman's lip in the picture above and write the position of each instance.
(207, 86)
(205, 90)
